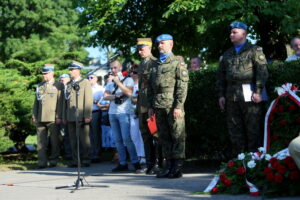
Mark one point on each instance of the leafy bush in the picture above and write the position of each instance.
(205, 125)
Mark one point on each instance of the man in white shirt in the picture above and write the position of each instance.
(95, 126)
(118, 92)
(295, 45)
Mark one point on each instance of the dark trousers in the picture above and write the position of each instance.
(95, 135)
(84, 139)
(67, 151)
(148, 139)
(244, 126)
(45, 129)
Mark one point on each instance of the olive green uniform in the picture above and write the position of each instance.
(248, 66)
(85, 103)
(150, 141)
(168, 90)
(47, 108)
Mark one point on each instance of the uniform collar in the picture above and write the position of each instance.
(76, 80)
(169, 58)
(245, 47)
(51, 81)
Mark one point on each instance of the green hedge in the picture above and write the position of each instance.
(205, 125)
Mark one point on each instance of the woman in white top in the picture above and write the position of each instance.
(134, 121)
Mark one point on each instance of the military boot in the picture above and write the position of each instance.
(165, 173)
(176, 171)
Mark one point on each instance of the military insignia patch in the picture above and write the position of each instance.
(261, 57)
(184, 73)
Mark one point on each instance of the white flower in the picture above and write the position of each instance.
(241, 156)
(268, 157)
(251, 164)
(261, 149)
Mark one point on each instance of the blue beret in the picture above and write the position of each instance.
(240, 25)
(47, 68)
(163, 37)
(75, 65)
(64, 76)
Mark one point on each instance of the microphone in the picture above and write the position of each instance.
(118, 53)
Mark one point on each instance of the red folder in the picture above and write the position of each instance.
(152, 124)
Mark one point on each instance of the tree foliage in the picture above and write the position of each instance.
(32, 33)
(196, 25)
(34, 30)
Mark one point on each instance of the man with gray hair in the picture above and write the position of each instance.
(295, 45)
(166, 96)
(47, 115)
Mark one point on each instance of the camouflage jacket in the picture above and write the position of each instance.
(144, 75)
(248, 66)
(168, 84)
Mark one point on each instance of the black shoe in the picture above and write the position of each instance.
(138, 168)
(151, 170)
(176, 171)
(52, 165)
(72, 165)
(120, 168)
(177, 174)
(165, 173)
(41, 167)
(85, 164)
(96, 160)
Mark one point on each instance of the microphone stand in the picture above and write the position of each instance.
(79, 181)
(111, 59)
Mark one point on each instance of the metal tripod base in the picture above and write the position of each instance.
(79, 184)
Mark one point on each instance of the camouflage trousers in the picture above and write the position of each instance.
(84, 142)
(47, 132)
(244, 121)
(171, 133)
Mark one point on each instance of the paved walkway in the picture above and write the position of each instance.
(40, 185)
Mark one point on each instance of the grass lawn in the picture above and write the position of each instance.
(16, 161)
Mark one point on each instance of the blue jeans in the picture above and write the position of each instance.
(120, 124)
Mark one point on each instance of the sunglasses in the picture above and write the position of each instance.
(90, 77)
(134, 72)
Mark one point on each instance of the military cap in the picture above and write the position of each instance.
(239, 25)
(75, 65)
(163, 37)
(64, 76)
(47, 68)
(141, 42)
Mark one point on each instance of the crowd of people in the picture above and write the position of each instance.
(115, 114)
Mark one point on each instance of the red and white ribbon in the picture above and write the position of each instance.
(287, 89)
(252, 189)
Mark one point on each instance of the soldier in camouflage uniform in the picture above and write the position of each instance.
(47, 115)
(166, 95)
(242, 64)
(150, 141)
(85, 103)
